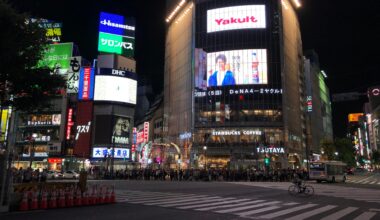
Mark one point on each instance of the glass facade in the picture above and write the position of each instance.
(231, 54)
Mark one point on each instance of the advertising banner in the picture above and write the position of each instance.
(53, 29)
(73, 75)
(200, 69)
(57, 57)
(115, 89)
(237, 67)
(82, 131)
(374, 96)
(118, 44)
(5, 115)
(116, 24)
(116, 72)
(121, 130)
(102, 152)
(86, 84)
(237, 17)
(354, 117)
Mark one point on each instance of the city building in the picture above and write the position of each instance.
(234, 81)
(318, 105)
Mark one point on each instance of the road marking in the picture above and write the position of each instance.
(169, 201)
(230, 206)
(210, 199)
(243, 214)
(375, 210)
(150, 199)
(247, 207)
(312, 213)
(208, 204)
(365, 216)
(287, 211)
(340, 214)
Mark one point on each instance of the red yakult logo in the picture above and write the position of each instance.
(233, 20)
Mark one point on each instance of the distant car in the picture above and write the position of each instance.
(70, 175)
(51, 174)
(350, 171)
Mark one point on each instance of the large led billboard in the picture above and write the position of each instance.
(237, 67)
(57, 57)
(116, 24)
(118, 44)
(116, 34)
(121, 130)
(237, 17)
(115, 89)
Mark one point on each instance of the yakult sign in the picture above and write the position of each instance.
(237, 17)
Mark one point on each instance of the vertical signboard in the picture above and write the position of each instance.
(73, 75)
(146, 132)
(82, 131)
(86, 84)
(70, 123)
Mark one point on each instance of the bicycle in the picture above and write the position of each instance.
(295, 189)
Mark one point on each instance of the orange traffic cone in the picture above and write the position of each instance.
(43, 204)
(53, 200)
(94, 199)
(100, 196)
(61, 200)
(85, 198)
(113, 197)
(78, 198)
(69, 201)
(107, 198)
(34, 204)
(24, 202)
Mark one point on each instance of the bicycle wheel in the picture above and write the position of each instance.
(309, 190)
(293, 190)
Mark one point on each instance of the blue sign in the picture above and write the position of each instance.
(102, 152)
(116, 24)
(86, 84)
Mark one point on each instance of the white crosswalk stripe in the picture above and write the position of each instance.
(340, 214)
(331, 190)
(245, 207)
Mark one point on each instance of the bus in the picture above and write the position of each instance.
(329, 171)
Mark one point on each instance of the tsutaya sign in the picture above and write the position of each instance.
(271, 149)
(237, 17)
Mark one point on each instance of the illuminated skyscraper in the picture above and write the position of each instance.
(234, 81)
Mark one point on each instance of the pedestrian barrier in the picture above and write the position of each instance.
(53, 200)
(34, 205)
(43, 204)
(61, 201)
(65, 197)
(24, 202)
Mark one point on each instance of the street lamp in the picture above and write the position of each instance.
(34, 135)
(205, 150)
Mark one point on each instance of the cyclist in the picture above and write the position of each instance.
(297, 180)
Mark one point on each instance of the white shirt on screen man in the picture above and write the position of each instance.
(220, 77)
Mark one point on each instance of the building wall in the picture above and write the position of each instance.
(178, 76)
(292, 81)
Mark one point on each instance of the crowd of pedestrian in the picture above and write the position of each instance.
(278, 175)
(28, 175)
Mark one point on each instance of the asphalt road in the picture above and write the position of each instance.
(221, 200)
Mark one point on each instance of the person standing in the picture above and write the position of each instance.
(222, 76)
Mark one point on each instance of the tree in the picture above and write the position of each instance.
(376, 157)
(328, 148)
(23, 85)
(346, 151)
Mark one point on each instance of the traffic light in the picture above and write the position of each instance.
(266, 161)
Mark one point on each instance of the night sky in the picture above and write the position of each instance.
(345, 35)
